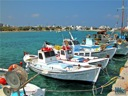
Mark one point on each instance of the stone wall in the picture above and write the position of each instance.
(120, 87)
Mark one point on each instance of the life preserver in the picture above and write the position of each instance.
(57, 47)
(21, 63)
(12, 67)
(103, 47)
(3, 81)
(47, 49)
(66, 48)
(119, 41)
(97, 49)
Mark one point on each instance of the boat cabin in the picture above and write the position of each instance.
(70, 42)
(101, 36)
(74, 44)
(88, 41)
(66, 53)
(80, 53)
(46, 55)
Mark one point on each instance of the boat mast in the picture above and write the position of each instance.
(122, 24)
(127, 22)
(71, 35)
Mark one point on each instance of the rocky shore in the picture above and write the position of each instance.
(120, 87)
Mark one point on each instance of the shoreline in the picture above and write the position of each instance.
(120, 87)
(60, 31)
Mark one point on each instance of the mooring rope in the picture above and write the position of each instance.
(112, 80)
(29, 80)
(122, 59)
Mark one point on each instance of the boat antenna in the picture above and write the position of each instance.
(122, 19)
(117, 20)
(122, 24)
(71, 35)
(127, 15)
(44, 45)
(62, 37)
(127, 19)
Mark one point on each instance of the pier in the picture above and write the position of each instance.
(120, 87)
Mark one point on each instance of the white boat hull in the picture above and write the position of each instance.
(88, 75)
(101, 62)
(29, 57)
(34, 90)
(122, 51)
(107, 53)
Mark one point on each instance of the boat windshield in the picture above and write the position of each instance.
(69, 42)
(69, 51)
(126, 36)
(75, 42)
(81, 54)
(49, 54)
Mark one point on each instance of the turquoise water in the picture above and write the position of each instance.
(13, 44)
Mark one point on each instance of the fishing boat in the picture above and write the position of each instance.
(66, 56)
(89, 50)
(102, 37)
(118, 41)
(28, 57)
(47, 64)
(122, 40)
(13, 83)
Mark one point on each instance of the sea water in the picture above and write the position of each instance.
(14, 44)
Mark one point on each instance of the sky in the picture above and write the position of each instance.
(60, 12)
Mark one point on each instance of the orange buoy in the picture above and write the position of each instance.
(12, 67)
(107, 56)
(21, 63)
(47, 49)
(2, 81)
(43, 49)
(66, 48)
(121, 69)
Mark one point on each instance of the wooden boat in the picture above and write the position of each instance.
(119, 41)
(66, 56)
(89, 50)
(47, 65)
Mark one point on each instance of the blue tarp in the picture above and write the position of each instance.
(16, 93)
(65, 65)
(89, 46)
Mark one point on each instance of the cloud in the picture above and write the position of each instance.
(35, 15)
(66, 16)
(75, 16)
(10, 17)
(116, 16)
(113, 16)
(109, 15)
